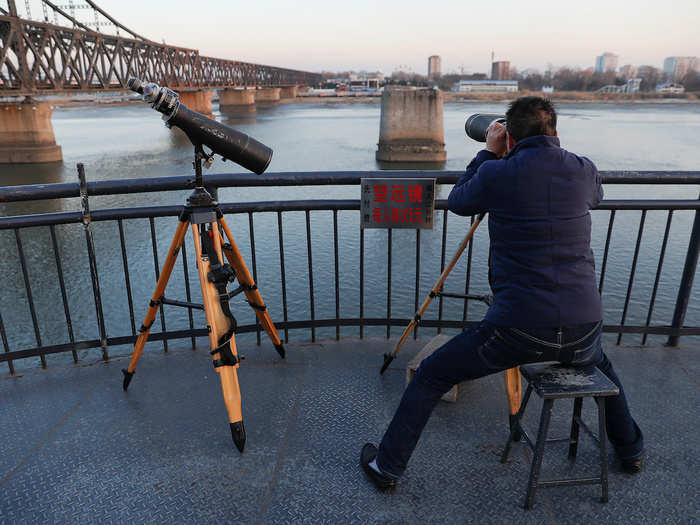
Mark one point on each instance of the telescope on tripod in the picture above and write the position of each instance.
(202, 215)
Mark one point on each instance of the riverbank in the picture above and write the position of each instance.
(563, 97)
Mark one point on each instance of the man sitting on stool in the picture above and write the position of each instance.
(542, 274)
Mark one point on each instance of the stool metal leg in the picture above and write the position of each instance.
(603, 438)
(516, 426)
(539, 452)
(575, 418)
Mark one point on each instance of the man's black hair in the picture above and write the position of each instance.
(531, 116)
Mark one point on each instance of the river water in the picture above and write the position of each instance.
(130, 141)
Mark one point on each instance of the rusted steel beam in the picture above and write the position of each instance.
(41, 58)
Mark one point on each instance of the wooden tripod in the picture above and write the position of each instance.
(512, 376)
(202, 213)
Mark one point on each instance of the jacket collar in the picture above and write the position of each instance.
(538, 141)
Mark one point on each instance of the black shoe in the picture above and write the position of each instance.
(632, 466)
(381, 481)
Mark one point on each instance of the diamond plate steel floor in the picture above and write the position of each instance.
(77, 449)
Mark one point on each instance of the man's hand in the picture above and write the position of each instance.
(496, 139)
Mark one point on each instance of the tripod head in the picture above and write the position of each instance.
(203, 131)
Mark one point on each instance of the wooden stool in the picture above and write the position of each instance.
(556, 381)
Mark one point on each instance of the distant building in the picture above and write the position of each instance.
(606, 62)
(486, 86)
(647, 70)
(678, 67)
(670, 88)
(364, 75)
(364, 82)
(632, 86)
(500, 70)
(531, 71)
(434, 66)
(628, 71)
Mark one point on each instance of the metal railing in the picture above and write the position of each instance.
(328, 316)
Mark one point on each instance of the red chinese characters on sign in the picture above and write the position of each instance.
(397, 215)
(397, 193)
(397, 203)
(380, 193)
(415, 193)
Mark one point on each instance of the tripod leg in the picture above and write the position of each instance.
(251, 291)
(514, 391)
(388, 358)
(225, 363)
(152, 311)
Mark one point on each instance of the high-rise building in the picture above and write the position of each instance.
(644, 71)
(628, 71)
(606, 62)
(433, 66)
(678, 67)
(500, 70)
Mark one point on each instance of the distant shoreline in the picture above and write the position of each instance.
(562, 97)
(565, 97)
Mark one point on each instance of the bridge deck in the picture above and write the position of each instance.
(77, 449)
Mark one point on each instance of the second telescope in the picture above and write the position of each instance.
(478, 124)
(204, 131)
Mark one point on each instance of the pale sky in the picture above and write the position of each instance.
(333, 35)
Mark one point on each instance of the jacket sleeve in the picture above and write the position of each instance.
(468, 197)
(597, 189)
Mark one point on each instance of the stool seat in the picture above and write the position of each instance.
(556, 381)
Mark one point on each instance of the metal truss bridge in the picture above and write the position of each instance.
(78, 47)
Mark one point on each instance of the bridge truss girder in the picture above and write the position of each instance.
(38, 58)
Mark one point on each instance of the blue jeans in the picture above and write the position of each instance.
(485, 349)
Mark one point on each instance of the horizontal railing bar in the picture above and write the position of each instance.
(647, 204)
(145, 212)
(96, 343)
(40, 219)
(317, 323)
(230, 180)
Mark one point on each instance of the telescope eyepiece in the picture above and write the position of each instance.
(150, 92)
(477, 125)
(135, 84)
(162, 99)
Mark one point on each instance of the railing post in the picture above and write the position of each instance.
(691, 263)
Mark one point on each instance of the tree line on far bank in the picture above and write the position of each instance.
(562, 79)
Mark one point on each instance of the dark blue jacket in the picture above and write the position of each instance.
(538, 198)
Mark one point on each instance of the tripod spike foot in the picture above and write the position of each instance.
(388, 358)
(280, 350)
(238, 435)
(127, 378)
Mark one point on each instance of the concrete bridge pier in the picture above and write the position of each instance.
(288, 92)
(198, 100)
(237, 101)
(411, 127)
(267, 96)
(26, 133)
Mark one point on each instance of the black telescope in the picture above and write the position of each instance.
(478, 124)
(203, 131)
